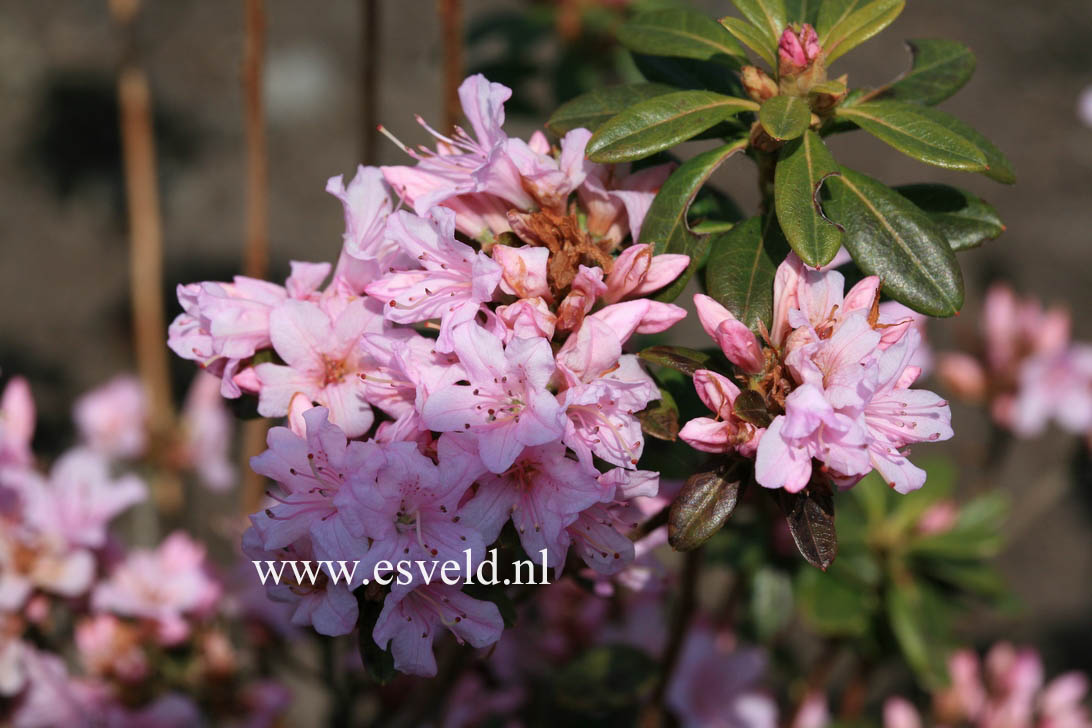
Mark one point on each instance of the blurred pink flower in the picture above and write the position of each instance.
(111, 419)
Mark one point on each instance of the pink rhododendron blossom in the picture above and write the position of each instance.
(617, 200)
(53, 697)
(798, 49)
(17, 416)
(411, 618)
(108, 647)
(111, 419)
(320, 348)
(543, 493)
(407, 506)
(452, 283)
(163, 585)
(725, 432)
(506, 403)
(637, 272)
(523, 270)
(207, 428)
(367, 203)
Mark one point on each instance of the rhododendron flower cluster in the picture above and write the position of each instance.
(83, 624)
(1029, 370)
(833, 372)
(464, 368)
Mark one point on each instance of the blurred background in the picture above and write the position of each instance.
(64, 322)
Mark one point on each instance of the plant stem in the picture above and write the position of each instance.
(145, 249)
(256, 244)
(451, 21)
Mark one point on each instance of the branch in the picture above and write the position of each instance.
(451, 22)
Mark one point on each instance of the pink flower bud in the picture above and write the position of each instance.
(963, 376)
(798, 49)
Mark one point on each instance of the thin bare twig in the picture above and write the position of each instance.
(451, 21)
(145, 247)
(256, 246)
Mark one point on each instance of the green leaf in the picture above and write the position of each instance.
(611, 677)
(917, 131)
(940, 68)
(753, 38)
(889, 237)
(848, 24)
(378, 662)
(802, 11)
(679, 32)
(771, 602)
(767, 15)
(810, 515)
(678, 358)
(660, 123)
(965, 221)
(804, 165)
(750, 406)
(665, 226)
(974, 577)
(833, 606)
(919, 623)
(785, 117)
(687, 73)
(590, 110)
(977, 534)
(741, 269)
(998, 167)
(702, 507)
(661, 418)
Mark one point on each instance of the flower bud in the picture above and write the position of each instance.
(798, 49)
(758, 85)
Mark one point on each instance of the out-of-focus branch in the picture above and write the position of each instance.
(256, 250)
(145, 246)
(369, 80)
(451, 24)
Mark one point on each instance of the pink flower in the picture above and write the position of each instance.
(598, 536)
(543, 493)
(310, 471)
(165, 585)
(32, 559)
(320, 348)
(716, 684)
(586, 287)
(523, 270)
(637, 272)
(410, 619)
(603, 392)
(367, 203)
(407, 507)
(207, 429)
(1055, 386)
(452, 283)
(111, 418)
(506, 403)
(528, 318)
(900, 713)
(16, 423)
(550, 181)
(328, 606)
(617, 200)
(52, 697)
(726, 432)
(735, 339)
(108, 647)
(79, 499)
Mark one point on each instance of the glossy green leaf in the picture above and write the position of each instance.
(802, 11)
(940, 68)
(741, 269)
(798, 189)
(665, 226)
(766, 15)
(857, 22)
(715, 74)
(771, 602)
(750, 406)
(660, 123)
(785, 117)
(661, 418)
(965, 221)
(810, 515)
(833, 12)
(917, 131)
(679, 32)
(888, 236)
(833, 606)
(678, 358)
(590, 110)
(753, 38)
(998, 167)
(702, 507)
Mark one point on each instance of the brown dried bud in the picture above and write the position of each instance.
(758, 85)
